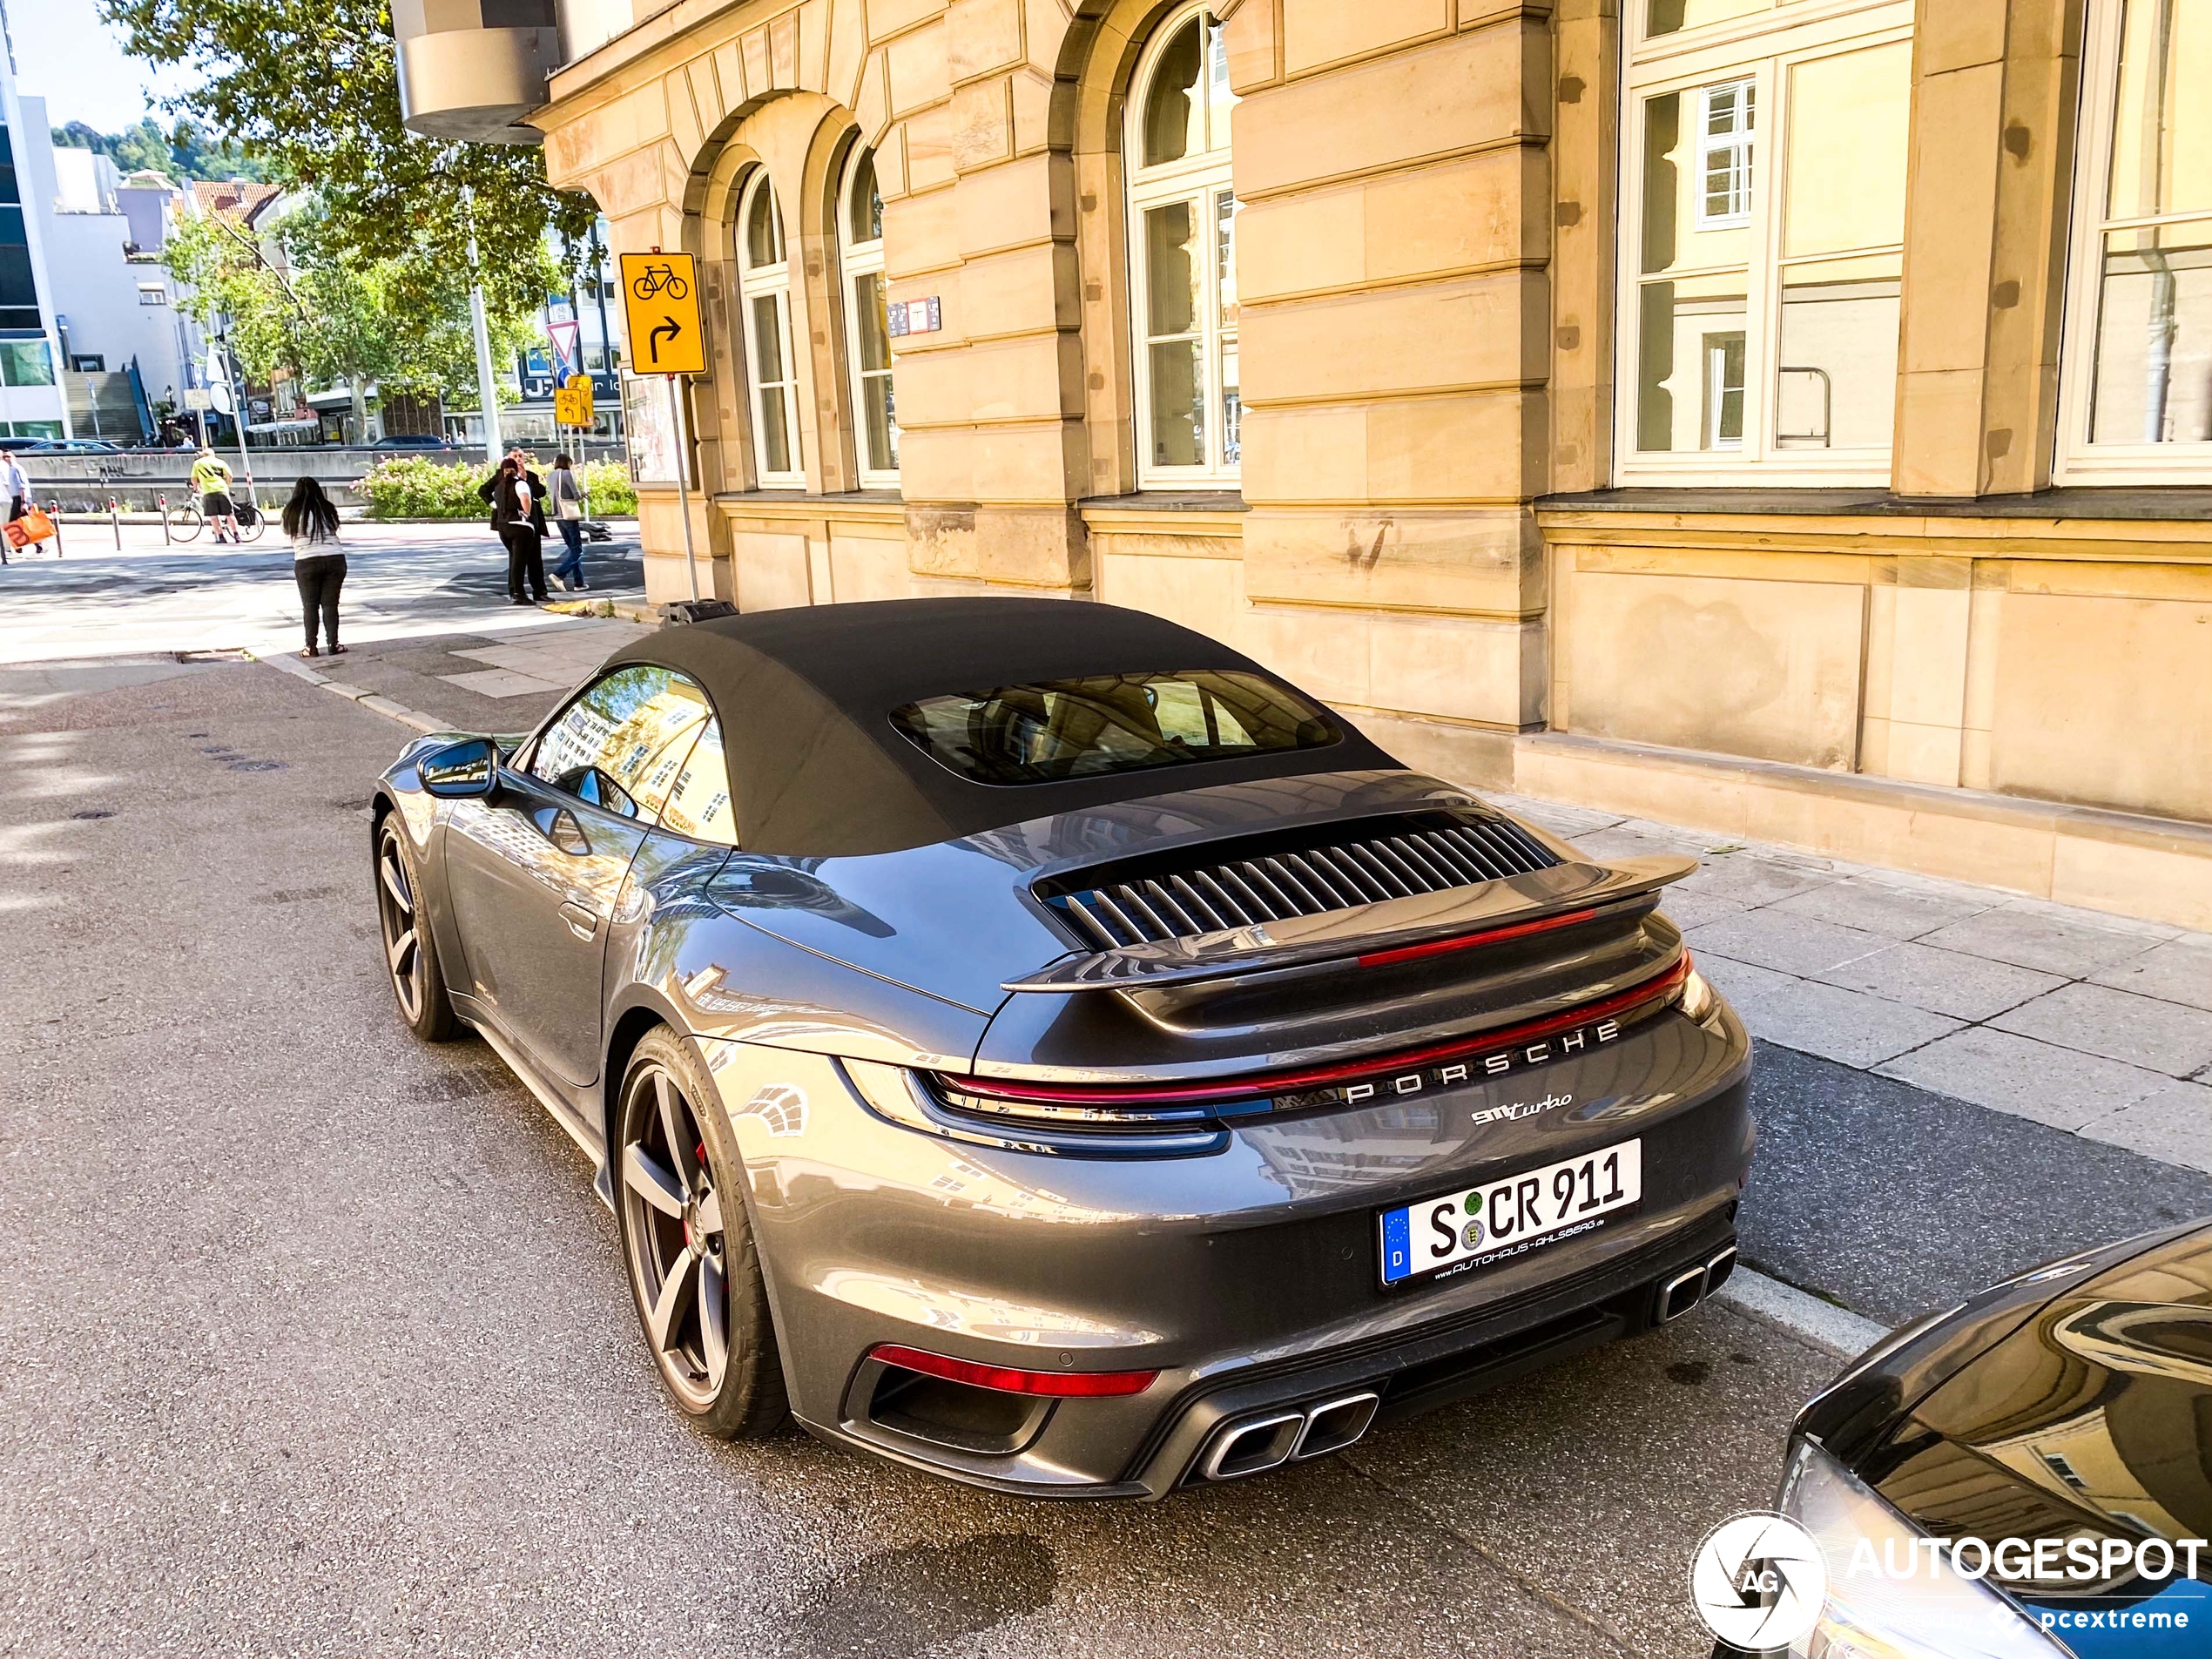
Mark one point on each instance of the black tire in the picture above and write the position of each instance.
(410, 952)
(688, 1250)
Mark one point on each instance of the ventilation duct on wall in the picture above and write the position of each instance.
(470, 70)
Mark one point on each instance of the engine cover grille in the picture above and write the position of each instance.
(1361, 864)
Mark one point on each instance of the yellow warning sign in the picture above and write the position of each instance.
(573, 403)
(660, 302)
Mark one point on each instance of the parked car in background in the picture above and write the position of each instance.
(411, 441)
(74, 447)
(18, 446)
(2069, 1406)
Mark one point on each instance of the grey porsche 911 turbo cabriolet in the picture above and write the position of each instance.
(1031, 1041)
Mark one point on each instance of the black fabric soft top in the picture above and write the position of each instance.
(806, 696)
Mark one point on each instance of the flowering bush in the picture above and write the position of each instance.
(417, 486)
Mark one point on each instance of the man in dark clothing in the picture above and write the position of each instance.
(516, 497)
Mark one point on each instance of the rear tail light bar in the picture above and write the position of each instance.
(1152, 1105)
(1008, 1380)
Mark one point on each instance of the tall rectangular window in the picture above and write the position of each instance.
(1762, 244)
(2136, 378)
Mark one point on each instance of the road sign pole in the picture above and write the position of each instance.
(682, 481)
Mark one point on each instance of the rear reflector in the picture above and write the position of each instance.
(1007, 1381)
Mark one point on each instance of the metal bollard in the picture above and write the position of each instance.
(161, 505)
(115, 522)
(54, 512)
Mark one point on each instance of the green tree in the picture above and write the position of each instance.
(305, 301)
(311, 88)
(184, 152)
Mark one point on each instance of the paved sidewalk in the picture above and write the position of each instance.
(2090, 1023)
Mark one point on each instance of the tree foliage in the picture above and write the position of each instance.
(185, 152)
(310, 88)
(305, 301)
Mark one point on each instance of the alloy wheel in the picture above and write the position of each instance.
(396, 909)
(672, 1224)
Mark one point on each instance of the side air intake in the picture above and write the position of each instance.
(1359, 864)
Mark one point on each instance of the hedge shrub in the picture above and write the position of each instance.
(417, 486)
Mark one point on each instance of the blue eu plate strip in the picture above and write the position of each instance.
(1397, 1246)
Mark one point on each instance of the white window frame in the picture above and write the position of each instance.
(768, 281)
(1200, 180)
(1760, 49)
(859, 258)
(2078, 461)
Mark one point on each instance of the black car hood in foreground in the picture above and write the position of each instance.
(2083, 1414)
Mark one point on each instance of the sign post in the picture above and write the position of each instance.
(660, 298)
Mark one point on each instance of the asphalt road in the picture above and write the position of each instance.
(313, 1339)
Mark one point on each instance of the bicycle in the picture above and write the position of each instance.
(659, 279)
(186, 521)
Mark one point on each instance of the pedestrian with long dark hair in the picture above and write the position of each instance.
(516, 496)
(567, 493)
(317, 560)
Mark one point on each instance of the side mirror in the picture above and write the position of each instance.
(464, 771)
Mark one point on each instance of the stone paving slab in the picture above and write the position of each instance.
(2009, 1073)
(2095, 1024)
(2177, 971)
(2075, 948)
(2173, 1123)
(1942, 981)
(1789, 944)
(2141, 1030)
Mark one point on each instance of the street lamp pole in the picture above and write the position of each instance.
(237, 388)
(487, 387)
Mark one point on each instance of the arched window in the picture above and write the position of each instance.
(763, 286)
(867, 324)
(1183, 257)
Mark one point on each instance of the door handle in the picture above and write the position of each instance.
(583, 922)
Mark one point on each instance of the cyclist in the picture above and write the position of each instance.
(212, 479)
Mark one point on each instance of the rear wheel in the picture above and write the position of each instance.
(694, 1272)
(410, 953)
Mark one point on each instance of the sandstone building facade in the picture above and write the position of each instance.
(1789, 417)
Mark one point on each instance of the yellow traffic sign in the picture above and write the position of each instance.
(573, 403)
(660, 302)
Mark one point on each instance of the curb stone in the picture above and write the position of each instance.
(383, 705)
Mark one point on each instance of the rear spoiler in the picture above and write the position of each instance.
(1395, 928)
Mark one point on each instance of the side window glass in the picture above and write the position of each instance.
(622, 745)
(699, 806)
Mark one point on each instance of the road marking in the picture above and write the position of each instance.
(1822, 1324)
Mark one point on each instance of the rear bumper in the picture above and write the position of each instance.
(1248, 1280)
(1436, 1367)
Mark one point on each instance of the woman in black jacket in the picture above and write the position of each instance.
(516, 496)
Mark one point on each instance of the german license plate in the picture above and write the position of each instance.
(1512, 1216)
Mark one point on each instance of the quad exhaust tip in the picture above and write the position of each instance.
(1686, 1290)
(1258, 1444)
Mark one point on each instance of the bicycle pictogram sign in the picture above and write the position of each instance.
(660, 302)
(659, 279)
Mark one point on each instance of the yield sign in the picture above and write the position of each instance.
(567, 340)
